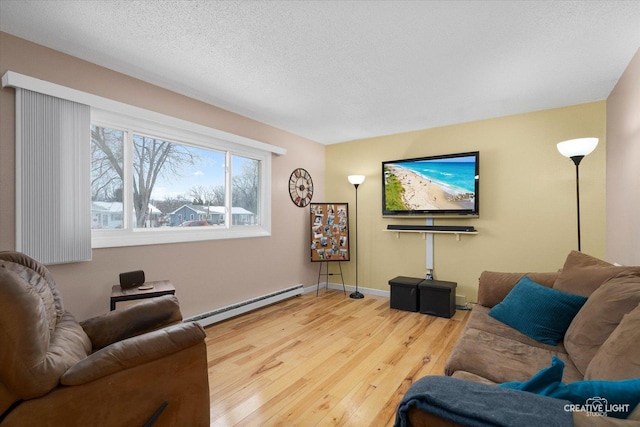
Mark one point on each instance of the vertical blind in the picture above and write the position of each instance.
(53, 202)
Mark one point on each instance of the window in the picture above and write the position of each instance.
(151, 183)
(111, 221)
(107, 167)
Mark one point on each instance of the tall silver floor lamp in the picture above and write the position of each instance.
(576, 149)
(356, 180)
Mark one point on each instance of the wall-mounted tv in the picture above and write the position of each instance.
(443, 185)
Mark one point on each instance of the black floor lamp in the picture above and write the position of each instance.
(576, 149)
(356, 180)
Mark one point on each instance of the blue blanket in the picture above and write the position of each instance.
(476, 404)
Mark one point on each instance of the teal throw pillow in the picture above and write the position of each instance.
(605, 398)
(537, 311)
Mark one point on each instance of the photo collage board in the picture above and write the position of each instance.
(329, 232)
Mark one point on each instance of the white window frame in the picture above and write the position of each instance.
(131, 236)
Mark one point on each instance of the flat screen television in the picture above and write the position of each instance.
(443, 185)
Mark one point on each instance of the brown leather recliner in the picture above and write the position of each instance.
(132, 367)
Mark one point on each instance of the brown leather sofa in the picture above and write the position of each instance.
(132, 367)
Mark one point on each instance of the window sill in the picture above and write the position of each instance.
(158, 236)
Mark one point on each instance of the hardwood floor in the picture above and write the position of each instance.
(326, 360)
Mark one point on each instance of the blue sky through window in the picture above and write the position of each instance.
(208, 170)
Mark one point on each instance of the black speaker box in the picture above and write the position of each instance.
(438, 298)
(405, 293)
(131, 279)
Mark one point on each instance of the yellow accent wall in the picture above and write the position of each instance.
(527, 216)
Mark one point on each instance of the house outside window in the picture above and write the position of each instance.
(146, 178)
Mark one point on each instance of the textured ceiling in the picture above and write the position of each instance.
(335, 71)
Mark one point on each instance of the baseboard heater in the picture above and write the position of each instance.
(230, 311)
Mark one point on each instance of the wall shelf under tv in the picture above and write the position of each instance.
(427, 229)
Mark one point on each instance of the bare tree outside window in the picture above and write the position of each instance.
(246, 186)
(154, 158)
(212, 195)
(170, 182)
(156, 181)
(107, 165)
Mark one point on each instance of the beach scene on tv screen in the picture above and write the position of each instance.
(430, 185)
